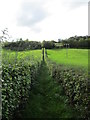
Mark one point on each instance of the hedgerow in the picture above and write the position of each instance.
(17, 79)
(75, 85)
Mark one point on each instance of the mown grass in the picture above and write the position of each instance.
(70, 57)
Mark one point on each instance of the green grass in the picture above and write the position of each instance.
(75, 57)
(9, 56)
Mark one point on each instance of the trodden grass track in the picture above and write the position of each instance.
(47, 99)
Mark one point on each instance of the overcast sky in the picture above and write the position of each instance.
(44, 19)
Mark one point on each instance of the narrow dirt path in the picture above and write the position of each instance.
(47, 99)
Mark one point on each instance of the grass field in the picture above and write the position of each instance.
(9, 56)
(71, 57)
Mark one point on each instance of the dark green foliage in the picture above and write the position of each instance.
(78, 42)
(16, 84)
(22, 45)
(48, 44)
(75, 85)
(46, 100)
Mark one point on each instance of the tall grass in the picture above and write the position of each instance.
(31, 56)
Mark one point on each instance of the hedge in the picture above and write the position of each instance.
(76, 86)
(16, 85)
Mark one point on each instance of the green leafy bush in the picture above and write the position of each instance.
(75, 85)
(18, 76)
(16, 84)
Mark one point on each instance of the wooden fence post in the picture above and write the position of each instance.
(46, 52)
(43, 54)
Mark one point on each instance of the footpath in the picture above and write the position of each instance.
(47, 99)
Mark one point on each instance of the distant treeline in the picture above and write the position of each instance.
(82, 42)
(77, 42)
(21, 45)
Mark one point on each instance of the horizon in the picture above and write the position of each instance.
(18, 39)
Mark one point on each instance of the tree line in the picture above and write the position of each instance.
(80, 42)
(21, 45)
(77, 42)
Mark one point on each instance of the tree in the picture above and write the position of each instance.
(48, 44)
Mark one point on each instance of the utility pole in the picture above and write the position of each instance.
(67, 46)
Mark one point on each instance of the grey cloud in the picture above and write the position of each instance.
(73, 4)
(31, 13)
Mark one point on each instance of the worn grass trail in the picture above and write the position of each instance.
(47, 99)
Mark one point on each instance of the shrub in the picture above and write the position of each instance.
(75, 85)
(16, 85)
